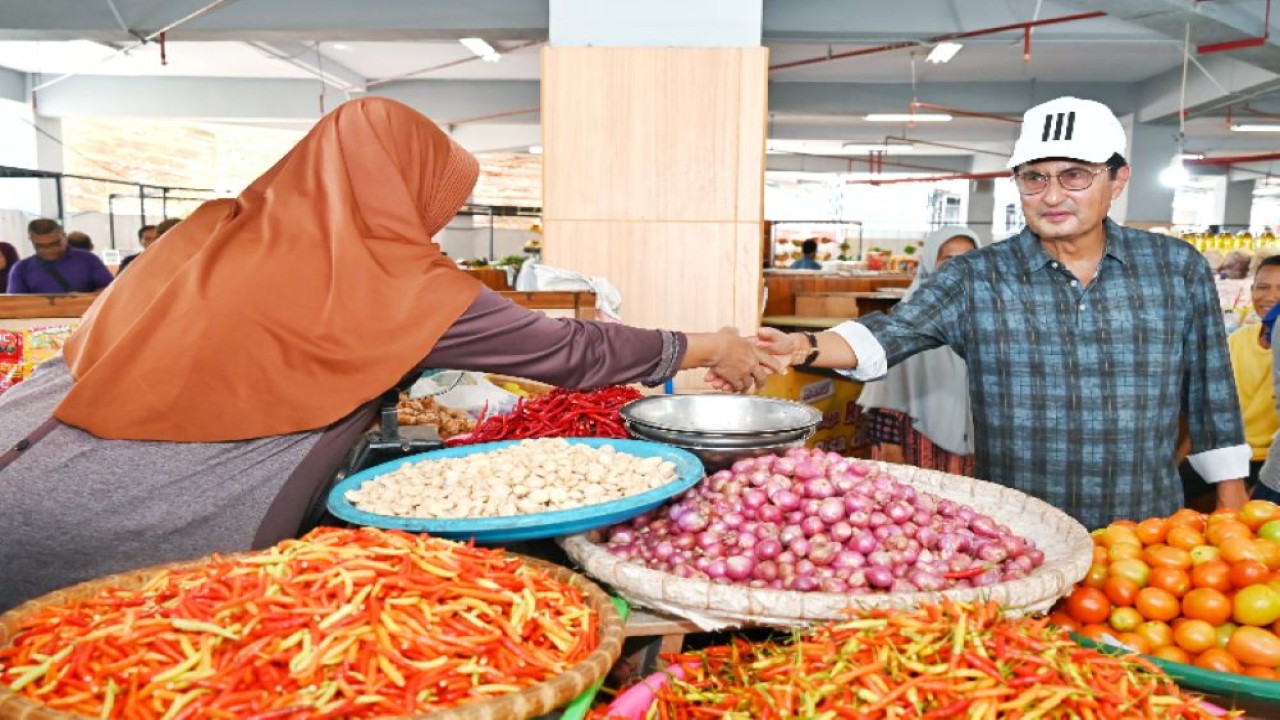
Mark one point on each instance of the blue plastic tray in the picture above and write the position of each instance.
(689, 471)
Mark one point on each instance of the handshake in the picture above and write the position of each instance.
(737, 364)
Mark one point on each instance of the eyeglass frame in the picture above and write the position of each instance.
(1052, 177)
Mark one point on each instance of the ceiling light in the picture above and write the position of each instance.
(943, 52)
(1254, 127)
(907, 117)
(1176, 175)
(535, 149)
(481, 48)
(340, 46)
(877, 147)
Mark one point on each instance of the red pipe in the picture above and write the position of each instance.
(1024, 26)
(1231, 159)
(934, 178)
(966, 113)
(1246, 42)
(492, 116)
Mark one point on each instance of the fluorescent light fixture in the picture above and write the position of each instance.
(877, 147)
(1255, 127)
(907, 117)
(943, 52)
(1176, 175)
(340, 46)
(482, 49)
(535, 149)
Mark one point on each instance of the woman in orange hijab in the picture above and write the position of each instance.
(213, 390)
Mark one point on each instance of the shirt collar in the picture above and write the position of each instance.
(1034, 256)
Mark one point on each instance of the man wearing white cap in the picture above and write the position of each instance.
(1085, 340)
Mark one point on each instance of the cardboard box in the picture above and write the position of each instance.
(826, 304)
(843, 428)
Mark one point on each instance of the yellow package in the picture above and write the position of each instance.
(843, 428)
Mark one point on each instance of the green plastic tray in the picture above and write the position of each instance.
(581, 705)
(1219, 683)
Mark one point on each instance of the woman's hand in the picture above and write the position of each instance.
(737, 364)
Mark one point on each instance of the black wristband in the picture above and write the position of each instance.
(813, 348)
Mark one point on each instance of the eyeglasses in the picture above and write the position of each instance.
(1030, 182)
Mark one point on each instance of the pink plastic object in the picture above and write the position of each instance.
(636, 701)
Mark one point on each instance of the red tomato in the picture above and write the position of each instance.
(1214, 574)
(1218, 660)
(1088, 605)
(1157, 604)
(1248, 572)
(1174, 580)
(1207, 604)
(1121, 590)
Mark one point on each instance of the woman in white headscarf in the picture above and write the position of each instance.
(920, 411)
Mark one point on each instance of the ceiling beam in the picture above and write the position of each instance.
(445, 101)
(858, 164)
(1213, 85)
(13, 85)
(308, 58)
(1011, 98)
(276, 20)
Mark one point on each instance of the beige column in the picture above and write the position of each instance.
(653, 177)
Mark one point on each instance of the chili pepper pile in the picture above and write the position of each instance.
(342, 623)
(947, 661)
(559, 413)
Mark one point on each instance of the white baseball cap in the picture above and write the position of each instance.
(1069, 127)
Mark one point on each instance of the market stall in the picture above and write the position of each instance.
(911, 591)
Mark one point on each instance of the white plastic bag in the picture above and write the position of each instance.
(470, 392)
(536, 276)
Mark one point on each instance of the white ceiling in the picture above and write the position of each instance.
(261, 61)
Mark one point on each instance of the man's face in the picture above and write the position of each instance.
(1055, 213)
(148, 237)
(1266, 289)
(51, 246)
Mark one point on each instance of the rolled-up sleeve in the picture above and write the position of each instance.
(1209, 400)
(928, 319)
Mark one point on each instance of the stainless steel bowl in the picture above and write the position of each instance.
(673, 437)
(721, 415)
(721, 429)
(717, 457)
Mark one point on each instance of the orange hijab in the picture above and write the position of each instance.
(285, 309)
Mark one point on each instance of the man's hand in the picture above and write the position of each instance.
(782, 347)
(1232, 494)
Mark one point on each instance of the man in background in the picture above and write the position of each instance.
(147, 234)
(56, 268)
(809, 248)
(80, 241)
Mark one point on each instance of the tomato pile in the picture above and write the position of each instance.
(1189, 588)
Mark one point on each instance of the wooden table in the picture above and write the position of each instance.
(650, 635)
(797, 322)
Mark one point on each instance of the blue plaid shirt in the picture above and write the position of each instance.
(1077, 391)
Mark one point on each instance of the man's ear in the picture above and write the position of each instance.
(1122, 179)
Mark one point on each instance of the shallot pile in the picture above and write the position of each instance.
(811, 520)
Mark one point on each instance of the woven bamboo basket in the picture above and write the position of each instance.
(1066, 544)
(528, 703)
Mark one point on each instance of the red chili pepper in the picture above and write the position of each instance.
(560, 413)
(969, 572)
